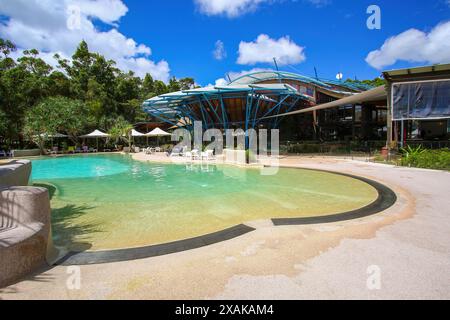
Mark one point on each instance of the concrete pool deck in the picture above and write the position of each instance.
(409, 243)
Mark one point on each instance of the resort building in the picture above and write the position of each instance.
(252, 101)
(414, 108)
(419, 104)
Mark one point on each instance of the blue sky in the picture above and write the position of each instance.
(181, 34)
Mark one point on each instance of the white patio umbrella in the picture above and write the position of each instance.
(96, 134)
(158, 133)
(135, 133)
(58, 135)
(52, 136)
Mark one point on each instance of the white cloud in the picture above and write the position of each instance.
(108, 11)
(236, 8)
(59, 26)
(219, 51)
(233, 75)
(264, 49)
(414, 46)
(320, 3)
(229, 8)
(220, 82)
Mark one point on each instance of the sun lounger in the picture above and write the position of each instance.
(208, 155)
(6, 154)
(176, 152)
(54, 151)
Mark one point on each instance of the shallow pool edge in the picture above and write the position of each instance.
(386, 199)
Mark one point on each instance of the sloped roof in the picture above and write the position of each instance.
(256, 77)
(373, 95)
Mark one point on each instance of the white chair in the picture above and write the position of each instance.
(195, 154)
(54, 151)
(208, 155)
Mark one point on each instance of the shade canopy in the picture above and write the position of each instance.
(135, 133)
(96, 134)
(52, 136)
(158, 133)
(377, 94)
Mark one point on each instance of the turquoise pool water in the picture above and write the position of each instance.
(112, 201)
(77, 167)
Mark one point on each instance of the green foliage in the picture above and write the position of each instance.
(174, 85)
(121, 131)
(412, 152)
(103, 91)
(304, 148)
(54, 115)
(6, 47)
(3, 124)
(377, 82)
(422, 158)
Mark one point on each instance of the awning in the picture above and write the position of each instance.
(373, 95)
(135, 133)
(96, 134)
(158, 133)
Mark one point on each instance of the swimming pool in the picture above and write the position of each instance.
(111, 201)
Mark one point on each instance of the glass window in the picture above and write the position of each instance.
(421, 100)
(358, 113)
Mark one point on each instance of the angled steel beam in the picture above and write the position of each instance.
(157, 116)
(224, 114)
(279, 119)
(256, 111)
(213, 109)
(276, 106)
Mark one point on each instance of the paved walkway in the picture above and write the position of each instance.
(408, 246)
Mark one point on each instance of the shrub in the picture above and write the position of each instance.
(429, 159)
(304, 148)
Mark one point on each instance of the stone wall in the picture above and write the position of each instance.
(15, 173)
(26, 153)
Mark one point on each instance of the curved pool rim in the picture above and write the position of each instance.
(386, 199)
